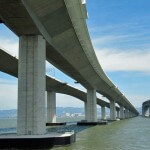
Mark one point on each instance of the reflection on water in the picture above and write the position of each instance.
(129, 134)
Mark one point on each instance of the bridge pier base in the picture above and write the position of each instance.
(51, 107)
(31, 85)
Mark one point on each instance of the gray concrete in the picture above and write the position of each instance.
(118, 114)
(112, 110)
(9, 65)
(85, 110)
(122, 116)
(126, 113)
(51, 83)
(63, 25)
(51, 107)
(31, 85)
(91, 106)
(28, 142)
(103, 113)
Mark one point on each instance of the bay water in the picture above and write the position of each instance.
(128, 134)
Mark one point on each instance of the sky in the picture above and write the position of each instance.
(119, 30)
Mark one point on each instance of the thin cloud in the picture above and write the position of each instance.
(10, 46)
(108, 38)
(8, 95)
(130, 60)
(137, 100)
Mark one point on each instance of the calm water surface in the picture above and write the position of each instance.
(131, 134)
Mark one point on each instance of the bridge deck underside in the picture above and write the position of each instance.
(64, 49)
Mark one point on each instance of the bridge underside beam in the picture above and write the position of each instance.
(1, 21)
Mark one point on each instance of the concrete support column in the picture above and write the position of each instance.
(91, 106)
(126, 113)
(103, 113)
(85, 110)
(31, 85)
(51, 107)
(118, 114)
(112, 110)
(121, 112)
(130, 114)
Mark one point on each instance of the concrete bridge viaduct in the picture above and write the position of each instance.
(9, 65)
(55, 31)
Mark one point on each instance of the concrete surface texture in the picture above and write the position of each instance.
(112, 110)
(103, 113)
(121, 112)
(91, 106)
(51, 107)
(31, 96)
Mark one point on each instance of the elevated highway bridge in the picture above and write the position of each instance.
(9, 65)
(55, 31)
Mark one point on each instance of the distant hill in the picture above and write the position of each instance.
(59, 111)
(62, 110)
(8, 113)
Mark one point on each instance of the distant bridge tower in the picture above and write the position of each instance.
(146, 109)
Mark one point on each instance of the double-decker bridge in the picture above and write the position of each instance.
(56, 31)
